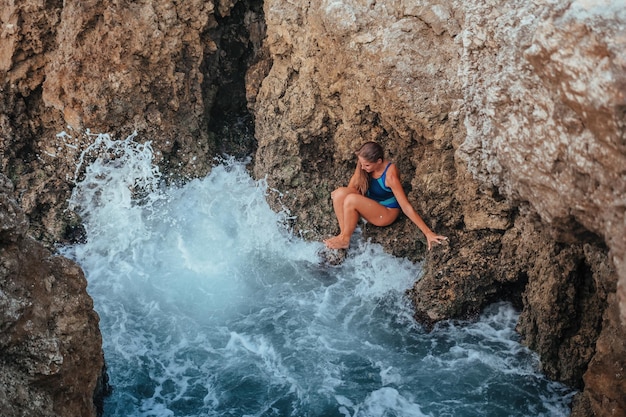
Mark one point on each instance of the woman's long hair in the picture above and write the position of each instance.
(371, 152)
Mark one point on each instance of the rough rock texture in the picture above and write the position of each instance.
(546, 119)
(608, 366)
(172, 71)
(51, 360)
(546, 124)
(508, 123)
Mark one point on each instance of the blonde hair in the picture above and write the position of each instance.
(371, 152)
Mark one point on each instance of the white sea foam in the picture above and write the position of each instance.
(209, 307)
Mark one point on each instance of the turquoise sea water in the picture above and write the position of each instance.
(210, 307)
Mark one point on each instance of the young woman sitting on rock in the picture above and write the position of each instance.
(376, 194)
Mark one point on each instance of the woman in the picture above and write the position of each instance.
(376, 194)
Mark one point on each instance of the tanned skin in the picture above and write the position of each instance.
(349, 205)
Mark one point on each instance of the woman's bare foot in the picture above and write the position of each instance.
(337, 242)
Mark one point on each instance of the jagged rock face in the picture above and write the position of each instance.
(606, 370)
(546, 118)
(546, 125)
(343, 74)
(174, 72)
(51, 357)
(170, 71)
(507, 121)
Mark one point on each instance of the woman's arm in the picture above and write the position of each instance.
(353, 180)
(392, 181)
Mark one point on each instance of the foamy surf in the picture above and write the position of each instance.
(210, 307)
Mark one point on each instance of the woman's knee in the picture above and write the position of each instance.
(351, 200)
(340, 193)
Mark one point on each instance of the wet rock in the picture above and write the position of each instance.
(333, 257)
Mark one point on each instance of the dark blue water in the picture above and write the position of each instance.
(209, 307)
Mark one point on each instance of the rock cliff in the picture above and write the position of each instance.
(508, 123)
(172, 71)
(50, 344)
(506, 120)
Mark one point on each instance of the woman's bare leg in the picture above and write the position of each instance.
(349, 207)
(338, 196)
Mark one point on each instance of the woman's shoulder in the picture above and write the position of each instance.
(392, 167)
(389, 165)
(393, 173)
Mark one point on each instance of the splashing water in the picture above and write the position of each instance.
(209, 307)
